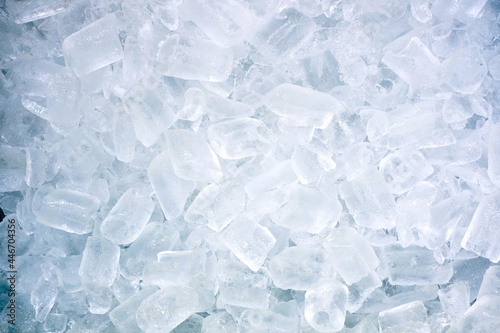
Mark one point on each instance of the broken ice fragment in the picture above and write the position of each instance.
(123, 316)
(325, 307)
(455, 298)
(191, 156)
(310, 165)
(415, 64)
(68, 210)
(220, 322)
(483, 234)
(306, 106)
(240, 138)
(465, 70)
(164, 310)
(93, 47)
(193, 59)
(494, 153)
(28, 11)
(42, 299)
(99, 264)
(126, 220)
(410, 317)
(123, 135)
(249, 241)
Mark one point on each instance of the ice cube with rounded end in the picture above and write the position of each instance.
(166, 309)
(65, 209)
(191, 156)
(191, 58)
(100, 261)
(170, 190)
(306, 106)
(43, 297)
(240, 138)
(325, 307)
(126, 220)
(93, 47)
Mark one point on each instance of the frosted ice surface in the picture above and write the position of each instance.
(249, 241)
(482, 236)
(481, 317)
(309, 165)
(28, 11)
(170, 190)
(410, 317)
(64, 209)
(465, 70)
(240, 138)
(99, 264)
(123, 316)
(93, 47)
(325, 307)
(191, 156)
(305, 106)
(491, 282)
(190, 58)
(43, 298)
(165, 309)
(126, 220)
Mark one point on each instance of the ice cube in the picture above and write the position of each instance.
(195, 103)
(249, 241)
(220, 322)
(491, 282)
(42, 299)
(24, 12)
(361, 290)
(12, 169)
(221, 108)
(191, 156)
(93, 47)
(410, 317)
(465, 70)
(55, 323)
(99, 264)
(166, 309)
(369, 200)
(455, 298)
(300, 268)
(482, 236)
(305, 106)
(309, 165)
(126, 220)
(273, 178)
(123, 135)
(264, 320)
(482, 316)
(68, 210)
(240, 138)
(123, 316)
(190, 58)
(494, 153)
(324, 307)
(170, 190)
(462, 10)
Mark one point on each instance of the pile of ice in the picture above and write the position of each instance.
(251, 166)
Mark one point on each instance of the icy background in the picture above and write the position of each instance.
(251, 166)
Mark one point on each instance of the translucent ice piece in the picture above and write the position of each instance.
(99, 299)
(456, 108)
(191, 156)
(494, 153)
(68, 210)
(155, 238)
(239, 286)
(193, 59)
(195, 103)
(455, 298)
(126, 220)
(149, 114)
(225, 24)
(218, 204)
(123, 135)
(351, 254)
(28, 11)
(415, 64)
(466, 150)
(361, 290)
(123, 316)
(281, 174)
(240, 138)
(462, 10)
(300, 268)
(55, 323)
(305, 106)
(99, 264)
(264, 320)
(420, 10)
(42, 299)
(309, 165)
(465, 70)
(491, 282)
(404, 168)
(358, 157)
(170, 190)
(482, 317)
(325, 307)
(414, 266)
(483, 234)
(166, 309)
(249, 241)
(12, 169)
(220, 108)
(308, 209)
(63, 91)
(410, 317)
(220, 322)
(93, 47)
(369, 200)
(494, 67)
